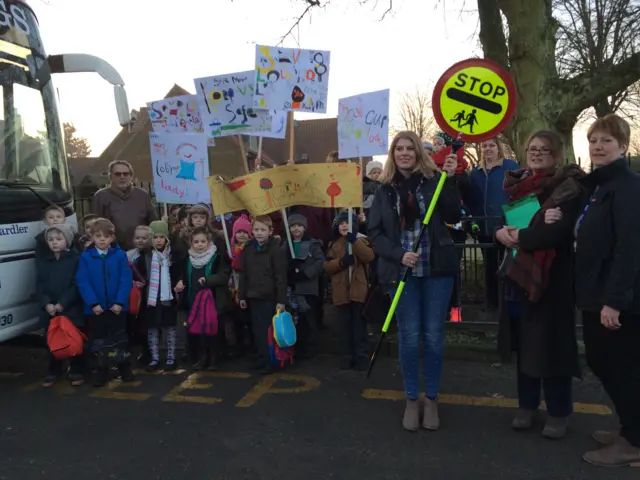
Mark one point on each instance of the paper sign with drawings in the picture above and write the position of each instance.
(176, 115)
(291, 79)
(226, 103)
(326, 185)
(363, 125)
(180, 167)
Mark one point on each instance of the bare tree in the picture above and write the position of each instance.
(415, 114)
(595, 35)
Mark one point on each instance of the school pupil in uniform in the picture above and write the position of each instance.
(136, 330)
(158, 312)
(87, 222)
(263, 285)
(207, 267)
(304, 270)
(349, 295)
(241, 236)
(54, 215)
(104, 281)
(57, 294)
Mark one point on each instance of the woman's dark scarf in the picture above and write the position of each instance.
(530, 270)
(407, 189)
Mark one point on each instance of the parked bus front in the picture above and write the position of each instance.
(33, 166)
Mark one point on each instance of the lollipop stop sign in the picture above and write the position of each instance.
(475, 98)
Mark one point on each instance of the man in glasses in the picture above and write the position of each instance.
(123, 204)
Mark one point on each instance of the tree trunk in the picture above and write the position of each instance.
(532, 62)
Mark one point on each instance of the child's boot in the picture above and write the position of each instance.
(214, 357)
(126, 374)
(53, 372)
(100, 377)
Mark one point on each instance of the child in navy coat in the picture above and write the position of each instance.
(105, 280)
(58, 295)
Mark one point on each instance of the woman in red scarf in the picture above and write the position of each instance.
(537, 317)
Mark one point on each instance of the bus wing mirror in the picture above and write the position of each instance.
(80, 62)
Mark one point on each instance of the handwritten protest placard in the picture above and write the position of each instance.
(180, 167)
(317, 185)
(275, 126)
(291, 79)
(226, 102)
(176, 115)
(363, 125)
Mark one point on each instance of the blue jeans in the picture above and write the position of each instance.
(421, 316)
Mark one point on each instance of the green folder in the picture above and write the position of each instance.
(520, 212)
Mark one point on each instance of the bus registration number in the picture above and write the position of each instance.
(6, 320)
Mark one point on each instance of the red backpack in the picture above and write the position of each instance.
(64, 339)
(278, 356)
(203, 317)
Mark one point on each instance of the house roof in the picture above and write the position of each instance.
(314, 138)
(80, 167)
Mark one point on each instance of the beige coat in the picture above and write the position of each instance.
(344, 292)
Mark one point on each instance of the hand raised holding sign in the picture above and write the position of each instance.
(450, 165)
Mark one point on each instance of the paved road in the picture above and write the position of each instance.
(309, 422)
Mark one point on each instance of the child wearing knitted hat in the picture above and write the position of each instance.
(370, 184)
(158, 311)
(241, 235)
(58, 295)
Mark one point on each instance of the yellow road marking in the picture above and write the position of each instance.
(265, 386)
(109, 391)
(178, 371)
(191, 383)
(468, 400)
(61, 387)
(10, 374)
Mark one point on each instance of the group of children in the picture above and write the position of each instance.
(121, 298)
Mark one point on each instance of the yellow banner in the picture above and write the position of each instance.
(317, 185)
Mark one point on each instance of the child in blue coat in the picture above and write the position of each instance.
(104, 280)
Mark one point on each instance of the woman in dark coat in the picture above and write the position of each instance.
(537, 317)
(607, 284)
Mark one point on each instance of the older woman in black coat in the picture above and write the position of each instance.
(607, 284)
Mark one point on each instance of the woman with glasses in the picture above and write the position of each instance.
(537, 318)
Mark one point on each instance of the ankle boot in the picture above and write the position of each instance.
(523, 419)
(411, 419)
(555, 428)
(431, 420)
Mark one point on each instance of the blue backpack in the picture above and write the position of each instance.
(284, 330)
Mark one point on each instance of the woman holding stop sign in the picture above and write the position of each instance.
(408, 182)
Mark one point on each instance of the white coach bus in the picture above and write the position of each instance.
(33, 165)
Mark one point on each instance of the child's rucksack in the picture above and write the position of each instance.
(64, 339)
(203, 317)
(284, 330)
(278, 355)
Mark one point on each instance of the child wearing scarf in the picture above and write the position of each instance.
(207, 266)
(158, 310)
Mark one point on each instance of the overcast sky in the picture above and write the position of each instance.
(156, 43)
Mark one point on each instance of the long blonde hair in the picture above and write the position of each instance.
(424, 164)
(501, 154)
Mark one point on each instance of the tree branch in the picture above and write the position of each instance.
(586, 89)
(492, 37)
(375, 5)
(310, 5)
